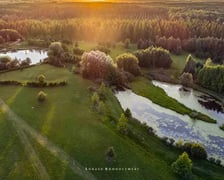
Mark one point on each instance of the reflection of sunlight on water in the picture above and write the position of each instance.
(170, 124)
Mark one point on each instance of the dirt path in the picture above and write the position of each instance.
(20, 126)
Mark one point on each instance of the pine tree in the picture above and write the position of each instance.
(102, 91)
(183, 166)
(101, 107)
(95, 99)
(122, 124)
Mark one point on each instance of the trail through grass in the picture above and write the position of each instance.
(22, 126)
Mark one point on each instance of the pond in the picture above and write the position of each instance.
(196, 100)
(34, 55)
(167, 123)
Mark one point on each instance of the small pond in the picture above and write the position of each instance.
(167, 123)
(196, 100)
(34, 55)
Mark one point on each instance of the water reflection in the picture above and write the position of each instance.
(195, 100)
(35, 55)
(173, 125)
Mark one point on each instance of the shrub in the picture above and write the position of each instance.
(154, 57)
(102, 91)
(195, 150)
(92, 89)
(187, 147)
(62, 83)
(218, 162)
(4, 61)
(187, 79)
(212, 160)
(41, 78)
(55, 54)
(198, 151)
(26, 62)
(183, 166)
(127, 113)
(122, 124)
(95, 99)
(78, 51)
(45, 84)
(110, 154)
(41, 96)
(179, 143)
(190, 65)
(101, 107)
(95, 65)
(171, 141)
(128, 62)
(11, 82)
(222, 127)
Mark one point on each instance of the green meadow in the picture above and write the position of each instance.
(68, 121)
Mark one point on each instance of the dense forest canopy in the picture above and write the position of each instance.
(143, 21)
(196, 28)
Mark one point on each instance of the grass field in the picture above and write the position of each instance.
(66, 119)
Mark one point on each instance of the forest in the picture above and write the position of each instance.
(136, 87)
(176, 29)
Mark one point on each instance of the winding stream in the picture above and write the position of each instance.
(168, 123)
(196, 100)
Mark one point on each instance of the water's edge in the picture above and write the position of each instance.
(168, 123)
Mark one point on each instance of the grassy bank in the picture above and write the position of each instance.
(145, 88)
(67, 120)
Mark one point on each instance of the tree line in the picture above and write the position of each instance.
(212, 77)
(208, 75)
(208, 47)
(114, 29)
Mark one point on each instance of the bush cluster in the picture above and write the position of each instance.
(154, 57)
(195, 150)
(45, 84)
(128, 62)
(33, 83)
(98, 98)
(6, 63)
(212, 77)
(11, 82)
